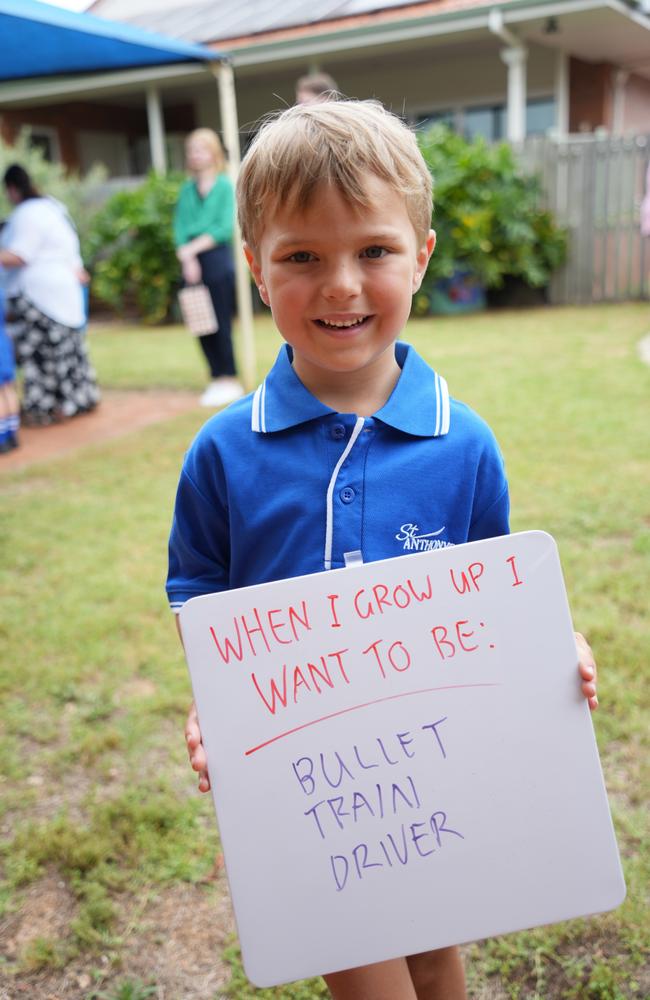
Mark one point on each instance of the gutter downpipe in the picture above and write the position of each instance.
(514, 57)
(223, 72)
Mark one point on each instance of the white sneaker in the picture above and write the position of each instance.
(221, 391)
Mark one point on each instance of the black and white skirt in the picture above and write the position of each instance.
(58, 379)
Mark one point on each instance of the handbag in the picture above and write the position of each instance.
(197, 310)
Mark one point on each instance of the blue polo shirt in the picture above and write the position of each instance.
(279, 485)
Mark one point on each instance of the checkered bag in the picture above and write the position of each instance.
(197, 310)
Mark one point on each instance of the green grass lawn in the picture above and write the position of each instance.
(99, 812)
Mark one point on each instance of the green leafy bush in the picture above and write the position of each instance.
(487, 214)
(79, 194)
(131, 250)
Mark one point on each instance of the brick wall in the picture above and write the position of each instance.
(590, 88)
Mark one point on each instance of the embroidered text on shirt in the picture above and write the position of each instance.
(413, 542)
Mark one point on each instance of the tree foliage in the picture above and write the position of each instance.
(487, 213)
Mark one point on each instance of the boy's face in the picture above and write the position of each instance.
(339, 281)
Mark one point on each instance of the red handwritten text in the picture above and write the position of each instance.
(296, 681)
(259, 630)
(374, 601)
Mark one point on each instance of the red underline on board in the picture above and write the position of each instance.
(365, 704)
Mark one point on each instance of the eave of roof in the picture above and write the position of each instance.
(424, 20)
(409, 13)
(52, 89)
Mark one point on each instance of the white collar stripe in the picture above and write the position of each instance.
(446, 415)
(263, 407)
(255, 413)
(436, 432)
(329, 522)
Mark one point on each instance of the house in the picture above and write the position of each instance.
(502, 70)
(576, 70)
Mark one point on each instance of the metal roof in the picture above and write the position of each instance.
(267, 32)
(213, 20)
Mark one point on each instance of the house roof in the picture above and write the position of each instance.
(262, 32)
(209, 21)
(42, 40)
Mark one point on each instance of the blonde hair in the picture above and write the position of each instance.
(339, 143)
(213, 142)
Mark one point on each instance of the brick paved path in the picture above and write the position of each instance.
(119, 413)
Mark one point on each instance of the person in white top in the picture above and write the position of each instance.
(40, 249)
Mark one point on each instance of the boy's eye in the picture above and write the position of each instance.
(301, 257)
(375, 253)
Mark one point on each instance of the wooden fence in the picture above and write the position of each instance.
(594, 186)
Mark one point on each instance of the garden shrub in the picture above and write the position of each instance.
(131, 250)
(487, 214)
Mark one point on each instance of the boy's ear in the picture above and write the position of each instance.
(256, 271)
(422, 259)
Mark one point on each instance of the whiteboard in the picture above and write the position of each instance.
(400, 755)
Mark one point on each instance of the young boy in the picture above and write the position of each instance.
(352, 443)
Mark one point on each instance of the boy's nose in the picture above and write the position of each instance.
(342, 281)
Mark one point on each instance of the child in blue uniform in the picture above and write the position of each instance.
(351, 447)
(9, 405)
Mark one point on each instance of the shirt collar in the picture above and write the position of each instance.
(282, 401)
(418, 405)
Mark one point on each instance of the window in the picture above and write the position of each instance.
(490, 120)
(47, 140)
(540, 116)
(425, 121)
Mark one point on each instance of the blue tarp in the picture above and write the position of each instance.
(37, 39)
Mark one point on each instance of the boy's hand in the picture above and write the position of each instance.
(587, 669)
(195, 749)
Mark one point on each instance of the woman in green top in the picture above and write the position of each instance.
(203, 229)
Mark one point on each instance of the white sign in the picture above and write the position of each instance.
(401, 757)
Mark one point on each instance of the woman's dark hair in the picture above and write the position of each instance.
(18, 178)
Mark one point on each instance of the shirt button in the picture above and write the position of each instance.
(347, 494)
(338, 431)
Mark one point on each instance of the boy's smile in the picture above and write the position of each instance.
(339, 281)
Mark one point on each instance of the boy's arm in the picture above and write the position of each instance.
(195, 749)
(199, 541)
(588, 671)
(199, 555)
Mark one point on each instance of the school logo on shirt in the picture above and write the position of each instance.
(416, 542)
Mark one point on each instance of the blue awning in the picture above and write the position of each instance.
(39, 40)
